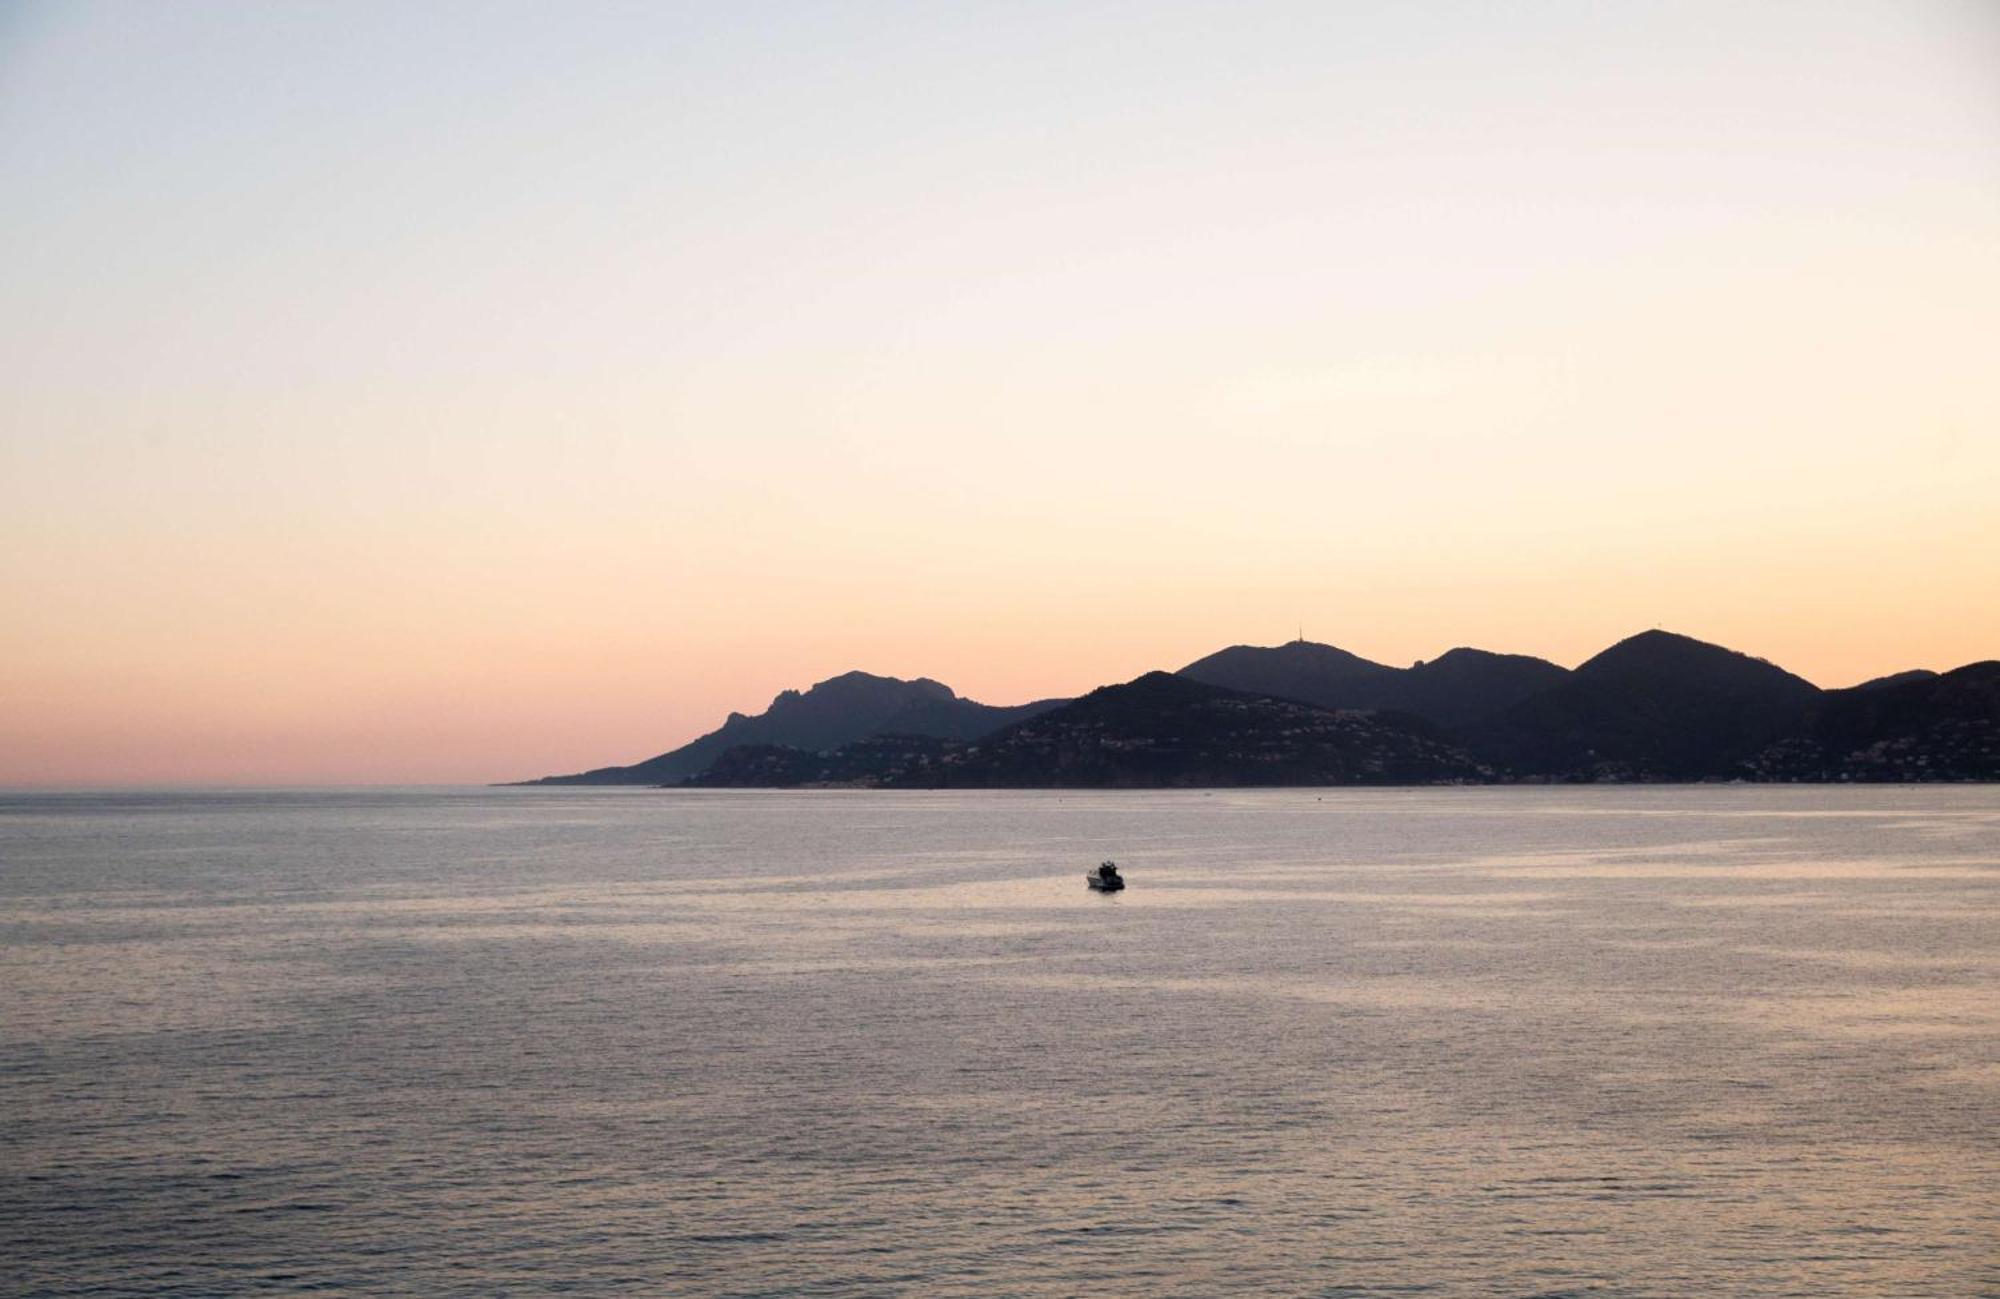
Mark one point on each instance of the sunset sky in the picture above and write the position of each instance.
(470, 392)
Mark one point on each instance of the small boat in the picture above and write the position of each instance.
(1105, 879)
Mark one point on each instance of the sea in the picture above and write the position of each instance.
(1620, 1041)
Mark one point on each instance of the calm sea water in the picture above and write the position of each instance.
(1662, 1042)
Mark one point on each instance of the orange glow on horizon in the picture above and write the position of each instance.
(352, 436)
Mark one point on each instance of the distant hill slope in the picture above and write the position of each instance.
(1300, 669)
(1655, 706)
(836, 711)
(1159, 731)
(1462, 685)
(1898, 678)
(1450, 690)
(891, 761)
(1915, 726)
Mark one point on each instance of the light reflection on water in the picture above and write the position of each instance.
(1463, 1042)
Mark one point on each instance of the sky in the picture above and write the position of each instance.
(467, 392)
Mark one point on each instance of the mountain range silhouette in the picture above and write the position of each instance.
(1654, 707)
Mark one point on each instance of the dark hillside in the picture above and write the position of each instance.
(1463, 685)
(1160, 731)
(1315, 674)
(1656, 706)
(1450, 690)
(1166, 730)
(834, 712)
(1920, 728)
